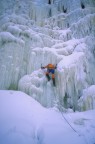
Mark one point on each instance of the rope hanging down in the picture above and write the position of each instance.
(74, 129)
(69, 124)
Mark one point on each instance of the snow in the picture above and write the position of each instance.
(36, 33)
(61, 33)
(23, 120)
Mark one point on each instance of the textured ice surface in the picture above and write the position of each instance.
(41, 32)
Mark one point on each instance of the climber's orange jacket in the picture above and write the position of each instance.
(50, 66)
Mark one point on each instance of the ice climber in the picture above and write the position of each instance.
(50, 69)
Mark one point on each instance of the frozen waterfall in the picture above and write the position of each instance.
(39, 32)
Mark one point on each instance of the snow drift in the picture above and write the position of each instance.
(23, 120)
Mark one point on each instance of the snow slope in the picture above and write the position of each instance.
(24, 121)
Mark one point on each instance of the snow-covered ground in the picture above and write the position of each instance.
(39, 32)
(24, 121)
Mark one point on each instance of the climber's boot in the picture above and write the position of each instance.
(48, 77)
(53, 79)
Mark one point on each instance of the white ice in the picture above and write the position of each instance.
(41, 32)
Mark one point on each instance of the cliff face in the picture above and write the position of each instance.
(49, 31)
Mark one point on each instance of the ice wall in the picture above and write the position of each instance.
(87, 101)
(37, 86)
(48, 31)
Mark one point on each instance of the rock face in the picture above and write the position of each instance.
(48, 31)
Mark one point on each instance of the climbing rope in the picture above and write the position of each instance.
(69, 124)
(73, 128)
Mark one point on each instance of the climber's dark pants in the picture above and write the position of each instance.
(53, 75)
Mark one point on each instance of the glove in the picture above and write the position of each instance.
(42, 67)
